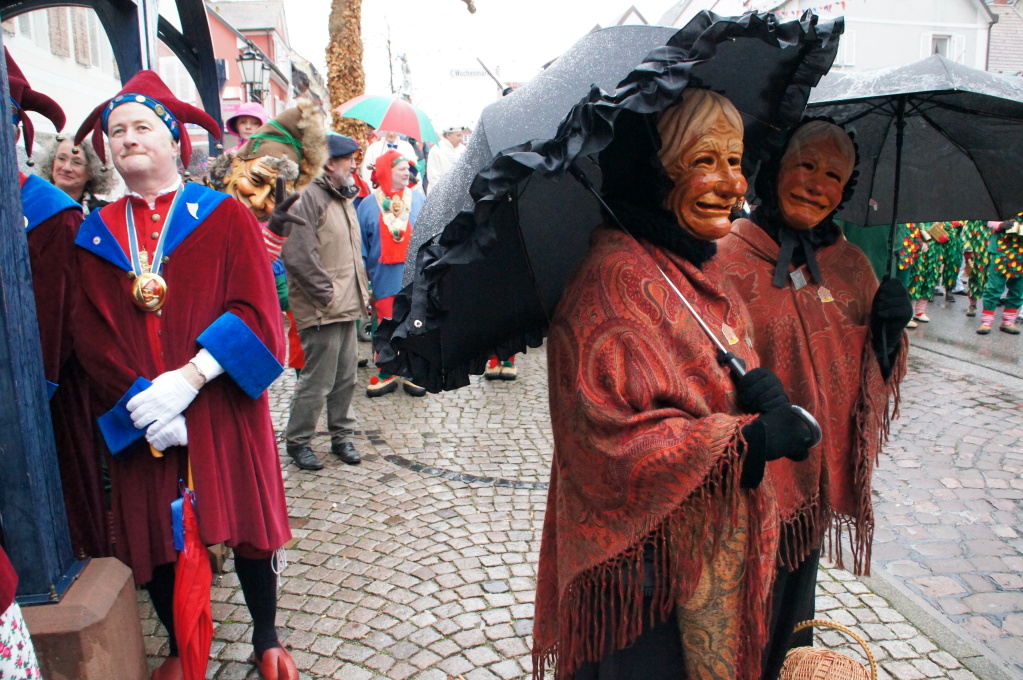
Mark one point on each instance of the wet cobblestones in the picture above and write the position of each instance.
(420, 563)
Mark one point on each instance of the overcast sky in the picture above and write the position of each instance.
(439, 37)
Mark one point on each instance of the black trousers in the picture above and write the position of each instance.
(655, 655)
(657, 652)
(792, 602)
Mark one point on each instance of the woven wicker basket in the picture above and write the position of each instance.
(815, 663)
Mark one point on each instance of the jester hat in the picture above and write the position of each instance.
(146, 88)
(24, 98)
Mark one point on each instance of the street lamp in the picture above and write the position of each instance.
(255, 73)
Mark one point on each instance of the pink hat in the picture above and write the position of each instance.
(254, 109)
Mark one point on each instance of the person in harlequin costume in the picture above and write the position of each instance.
(975, 239)
(915, 270)
(1004, 274)
(178, 326)
(950, 252)
(658, 544)
(52, 219)
(835, 339)
(386, 219)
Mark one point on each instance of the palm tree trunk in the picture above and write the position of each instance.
(345, 76)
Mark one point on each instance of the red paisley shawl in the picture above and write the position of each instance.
(647, 436)
(823, 353)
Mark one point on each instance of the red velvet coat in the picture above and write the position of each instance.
(647, 433)
(51, 252)
(218, 267)
(823, 354)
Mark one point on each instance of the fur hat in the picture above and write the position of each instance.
(24, 98)
(298, 134)
(146, 88)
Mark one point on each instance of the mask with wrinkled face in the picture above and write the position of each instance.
(253, 183)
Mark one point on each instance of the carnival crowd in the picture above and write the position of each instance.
(687, 513)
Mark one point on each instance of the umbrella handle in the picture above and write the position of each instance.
(737, 367)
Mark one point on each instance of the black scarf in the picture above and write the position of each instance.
(661, 228)
(795, 247)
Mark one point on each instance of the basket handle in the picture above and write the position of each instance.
(824, 623)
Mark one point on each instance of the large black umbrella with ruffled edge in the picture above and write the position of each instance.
(489, 282)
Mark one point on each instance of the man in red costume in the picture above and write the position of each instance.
(51, 222)
(178, 326)
(834, 337)
(658, 542)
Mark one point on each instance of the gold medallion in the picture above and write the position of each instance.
(397, 205)
(149, 291)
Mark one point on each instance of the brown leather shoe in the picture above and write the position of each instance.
(170, 669)
(277, 664)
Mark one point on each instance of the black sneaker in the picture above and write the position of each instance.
(305, 458)
(346, 452)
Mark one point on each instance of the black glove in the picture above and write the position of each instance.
(280, 223)
(775, 434)
(760, 391)
(889, 314)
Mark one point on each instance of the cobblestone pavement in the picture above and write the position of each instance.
(948, 502)
(420, 563)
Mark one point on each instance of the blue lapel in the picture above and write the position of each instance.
(182, 223)
(40, 201)
(96, 237)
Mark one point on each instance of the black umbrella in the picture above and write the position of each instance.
(490, 280)
(533, 112)
(937, 141)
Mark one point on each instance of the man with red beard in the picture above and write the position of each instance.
(178, 326)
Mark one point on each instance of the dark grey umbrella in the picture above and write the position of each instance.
(937, 141)
(533, 111)
(488, 282)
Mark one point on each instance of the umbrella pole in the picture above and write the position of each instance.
(736, 366)
(900, 133)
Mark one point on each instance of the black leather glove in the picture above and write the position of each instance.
(760, 391)
(775, 434)
(889, 314)
(281, 223)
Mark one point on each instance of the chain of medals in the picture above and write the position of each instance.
(149, 289)
(395, 210)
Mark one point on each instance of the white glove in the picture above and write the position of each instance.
(168, 396)
(173, 433)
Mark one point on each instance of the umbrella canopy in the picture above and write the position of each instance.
(389, 113)
(193, 578)
(533, 112)
(958, 130)
(490, 280)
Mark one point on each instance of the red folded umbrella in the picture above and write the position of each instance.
(193, 619)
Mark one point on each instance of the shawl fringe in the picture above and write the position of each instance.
(872, 419)
(601, 610)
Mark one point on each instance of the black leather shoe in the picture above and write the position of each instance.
(346, 452)
(305, 458)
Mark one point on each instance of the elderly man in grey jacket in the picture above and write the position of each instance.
(328, 292)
